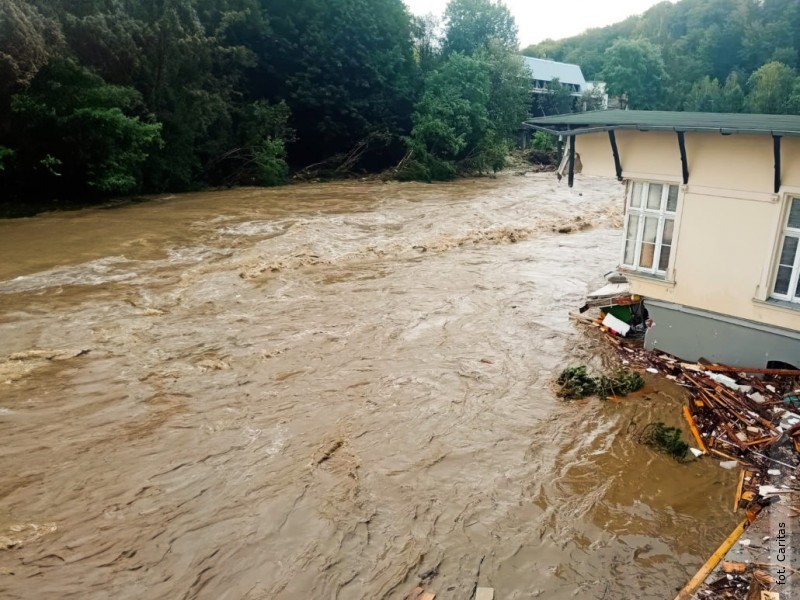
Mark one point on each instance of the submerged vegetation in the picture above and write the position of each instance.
(576, 383)
(102, 98)
(667, 439)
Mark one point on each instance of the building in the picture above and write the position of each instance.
(544, 71)
(712, 225)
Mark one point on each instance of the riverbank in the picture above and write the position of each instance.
(518, 162)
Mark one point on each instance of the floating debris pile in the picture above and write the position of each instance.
(749, 419)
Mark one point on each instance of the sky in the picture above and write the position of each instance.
(541, 19)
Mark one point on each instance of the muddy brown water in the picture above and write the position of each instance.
(330, 391)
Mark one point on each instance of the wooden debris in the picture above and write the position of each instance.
(736, 414)
(419, 593)
(688, 591)
(688, 416)
(735, 568)
(738, 492)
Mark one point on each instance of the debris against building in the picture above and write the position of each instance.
(712, 225)
(748, 419)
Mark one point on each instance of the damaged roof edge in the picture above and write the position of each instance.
(681, 122)
(673, 128)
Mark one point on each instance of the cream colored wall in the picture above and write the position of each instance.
(728, 220)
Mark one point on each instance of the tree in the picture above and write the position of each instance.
(557, 99)
(472, 25)
(634, 69)
(79, 135)
(706, 96)
(471, 107)
(732, 98)
(770, 88)
(346, 69)
(27, 40)
(593, 98)
(427, 42)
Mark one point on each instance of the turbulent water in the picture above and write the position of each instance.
(330, 391)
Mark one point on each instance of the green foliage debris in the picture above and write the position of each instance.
(664, 438)
(576, 383)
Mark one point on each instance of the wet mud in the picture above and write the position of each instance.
(331, 391)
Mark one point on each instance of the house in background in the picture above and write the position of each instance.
(544, 71)
(712, 225)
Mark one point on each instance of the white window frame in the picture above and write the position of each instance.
(662, 215)
(785, 232)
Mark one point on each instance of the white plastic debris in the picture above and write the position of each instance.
(652, 370)
(765, 491)
(697, 453)
(616, 325)
(757, 398)
(729, 464)
(744, 542)
(774, 472)
(729, 382)
(771, 388)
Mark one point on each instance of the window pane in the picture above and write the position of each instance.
(648, 250)
(630, 239)
(797, 291)
(794, 214)
(650, 229)
(669, 227)
(663, 260)
(646, 258)
(782, 281)
(672, 199)
(654, 196)
(789, 251)
(636, 194)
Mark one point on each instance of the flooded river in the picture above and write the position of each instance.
(330, 391)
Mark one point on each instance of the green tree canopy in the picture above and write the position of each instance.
(472, 25)
(82, 131)
(771, 87)
(634, 69)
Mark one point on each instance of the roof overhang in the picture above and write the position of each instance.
(671, 129)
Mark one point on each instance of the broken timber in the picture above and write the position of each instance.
(688, 591)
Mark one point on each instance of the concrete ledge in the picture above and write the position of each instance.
(692, 333)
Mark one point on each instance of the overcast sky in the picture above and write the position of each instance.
(541, 19)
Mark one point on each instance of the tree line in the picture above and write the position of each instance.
(695, 55)
(111, 97)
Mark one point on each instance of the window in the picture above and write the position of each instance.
(787, 274)
(650, 226)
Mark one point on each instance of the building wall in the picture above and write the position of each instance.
(728, 220)
(693, 334)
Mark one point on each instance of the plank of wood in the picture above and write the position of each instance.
(727, 369)
(695, 582)
(738, 497)
(695, 432)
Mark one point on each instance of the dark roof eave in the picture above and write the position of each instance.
(672, 128)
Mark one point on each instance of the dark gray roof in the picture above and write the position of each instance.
(547, 70)
(653, 120)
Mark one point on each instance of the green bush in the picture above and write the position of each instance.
(576, 383)
(666, 439)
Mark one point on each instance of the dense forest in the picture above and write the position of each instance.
(698, 55)
(112, 97)
(102, 98)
